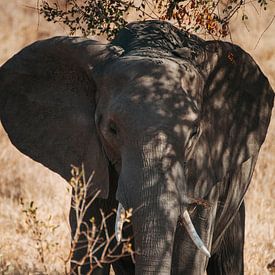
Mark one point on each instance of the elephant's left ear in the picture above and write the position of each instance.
(48, 101)
(236, 108)
(237, 105)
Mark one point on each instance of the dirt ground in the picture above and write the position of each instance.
(20, 177)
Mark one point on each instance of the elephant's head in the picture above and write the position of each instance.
(180, 119)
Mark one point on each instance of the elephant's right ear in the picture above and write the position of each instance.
(47, 101)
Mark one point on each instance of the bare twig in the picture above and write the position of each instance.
(270, 23)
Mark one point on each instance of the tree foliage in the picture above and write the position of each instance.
(97, 17)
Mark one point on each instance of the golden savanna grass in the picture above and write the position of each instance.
(20, 177)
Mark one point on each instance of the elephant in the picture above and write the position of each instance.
(171, 125)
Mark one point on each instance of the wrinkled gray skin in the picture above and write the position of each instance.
(165, 119)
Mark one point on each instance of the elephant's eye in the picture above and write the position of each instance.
(113, 128)
(194, 132)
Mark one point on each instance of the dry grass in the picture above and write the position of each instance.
(22, 177)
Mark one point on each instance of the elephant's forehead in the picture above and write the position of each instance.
(158, 80)
(154, 91)
(133, 68)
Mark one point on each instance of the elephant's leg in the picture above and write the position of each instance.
(228, 260)
(81, 247)
(125, 265)
(107, 206)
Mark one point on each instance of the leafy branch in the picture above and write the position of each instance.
(97, 17)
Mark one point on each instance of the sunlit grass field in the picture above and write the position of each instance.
(20, 177)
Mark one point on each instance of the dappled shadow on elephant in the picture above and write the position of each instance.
(171, 125)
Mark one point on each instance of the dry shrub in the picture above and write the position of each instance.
(44, 242)
(22, 177)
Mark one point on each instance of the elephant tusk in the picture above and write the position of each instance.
(193, 234)
(119, 222)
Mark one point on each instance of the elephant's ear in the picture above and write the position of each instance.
(236, 104)
(47, 101)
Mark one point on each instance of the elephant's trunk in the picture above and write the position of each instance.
(154, 227)
(184, 220)
(148, 185)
